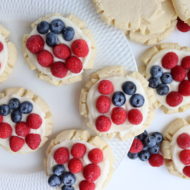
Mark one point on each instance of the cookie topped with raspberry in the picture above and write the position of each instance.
(59, 49)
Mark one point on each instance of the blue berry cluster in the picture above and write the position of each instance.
(53, 29)
(16, 109)
(159, 80)
(62, 178)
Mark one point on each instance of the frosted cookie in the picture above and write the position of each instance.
(77, 160)
(167, 68)
(25, 120)
(176, 148)
(59, 49)
(116, 103)
(8, 54)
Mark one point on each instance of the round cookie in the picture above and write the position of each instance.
(84, 159)
(116, 103)
(176, 148)
(25, 120)
(59, 49)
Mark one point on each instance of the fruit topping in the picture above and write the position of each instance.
(85, 185)
(135, 116)
(144, 155)
(103, 104)
(33, 140)
(182, 26)
(4, 110)
(74, 64)
(43, 27)
(61, 155)
(183, 140)
(78, 150)
(174, 99)
(91, 172)
(58, 170)
(155, 149)
(96, 155)
(54, 181)
(14, 103)
(58, 69)
(186, 171)
(137, 146)
(16, 116)
(1, 46)
(156, 160)
(132, 155)
(68, 179)
(184, 88)
(16, 143)
(170, 60)
(178, 73)
(137, 100)
(34, 121)
(166, 78)
(26, 107)
(162, 89)
(105, 87)
(154, 82)
(22, 129)
(5, 130)
(150, 141)
(62, 51)
(57, 26)
(103, 123)
(129, 88)
(80, 48)
(118, 98)
(45, 58)
(185, 63)
(118, 115)
(51, 39)
(184, 156)
(75, 165)
(68, 33)
(156, 71)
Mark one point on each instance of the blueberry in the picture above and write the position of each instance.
(68, 33)
(143, 135)
(158, 136)
(54, 181)
(156, 71)
(150, 141)
(166, 78)
(58, 170)
(51, 39)
(132, 155)
(26, 107)
(68, 178)
(16, 116)
(43, 27)
(118, 98)
(137, 100)
(162, 89)
(154, 82)
(145, 148)
(129, 88)
(144, 155)
(154, 150)
(67, 188)
(14, 103)
(57, 26)
(4, 109)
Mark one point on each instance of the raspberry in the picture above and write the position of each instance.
(35, 43)
(22, 129)
(118, 115)
(135, 116)
(85, 185)
(58, 69)
(186, 171)
(170, 60)
(136, 146)
(16, 143)
(34, 121)
(61, 155)
(183, 141)
(80, 48)
(174, 99)
(96, 155)
(1, 118)
(156, 160)
(182, 26)
(103, 104)
(184, 156)
(74, 64)
(178, 73)
(188, 75)
(105, 87)
(185, 63)
(75, 165)
(103, 123)
(78, 150)
(184, 88)
(33, 140)
(62, 51)
(5, 130)
(45, 58)
(1, 46)
(91, 172)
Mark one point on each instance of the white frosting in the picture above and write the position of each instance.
(3, 54)
(78, 35)
(104, 165)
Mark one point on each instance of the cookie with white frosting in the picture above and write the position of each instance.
(78, 160)
(25, 120)
(59, 49)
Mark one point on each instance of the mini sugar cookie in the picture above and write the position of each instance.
(25, 120)
(167, 68)
(59, 49)
(116, 103)
(77, 160)
(176, 148)
(8, 54)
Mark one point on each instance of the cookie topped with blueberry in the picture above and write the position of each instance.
(59, 49)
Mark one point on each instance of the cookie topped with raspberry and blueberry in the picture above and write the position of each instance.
(25, 120)
(76, 160)
(117, 104)
(59, 49)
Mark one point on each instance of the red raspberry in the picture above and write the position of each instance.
(118, 115)
(16, 143)
(103, 123)
(58, 69)
(185, 63)
(103, 104)
(80, 48)
(22, 129)
(1, 46)
(33, 140)
(62, 51)
(34, 121)
(105, 87)
(135, 116)
(178, 73)
(1, 118)
(85, 185)
(75, 165)
(96, 155)
(186, 171)
(170, 60)
(35, 43)
(184, 156)
(91, 172)
(78, 150)
(188, 75)
(61, 155)
(156, 160)
(184, 88)
(174, 99)
(136, 146)
(74, 64)
(5, 130)
(183, 141)
(45, 58)
(182, 26)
